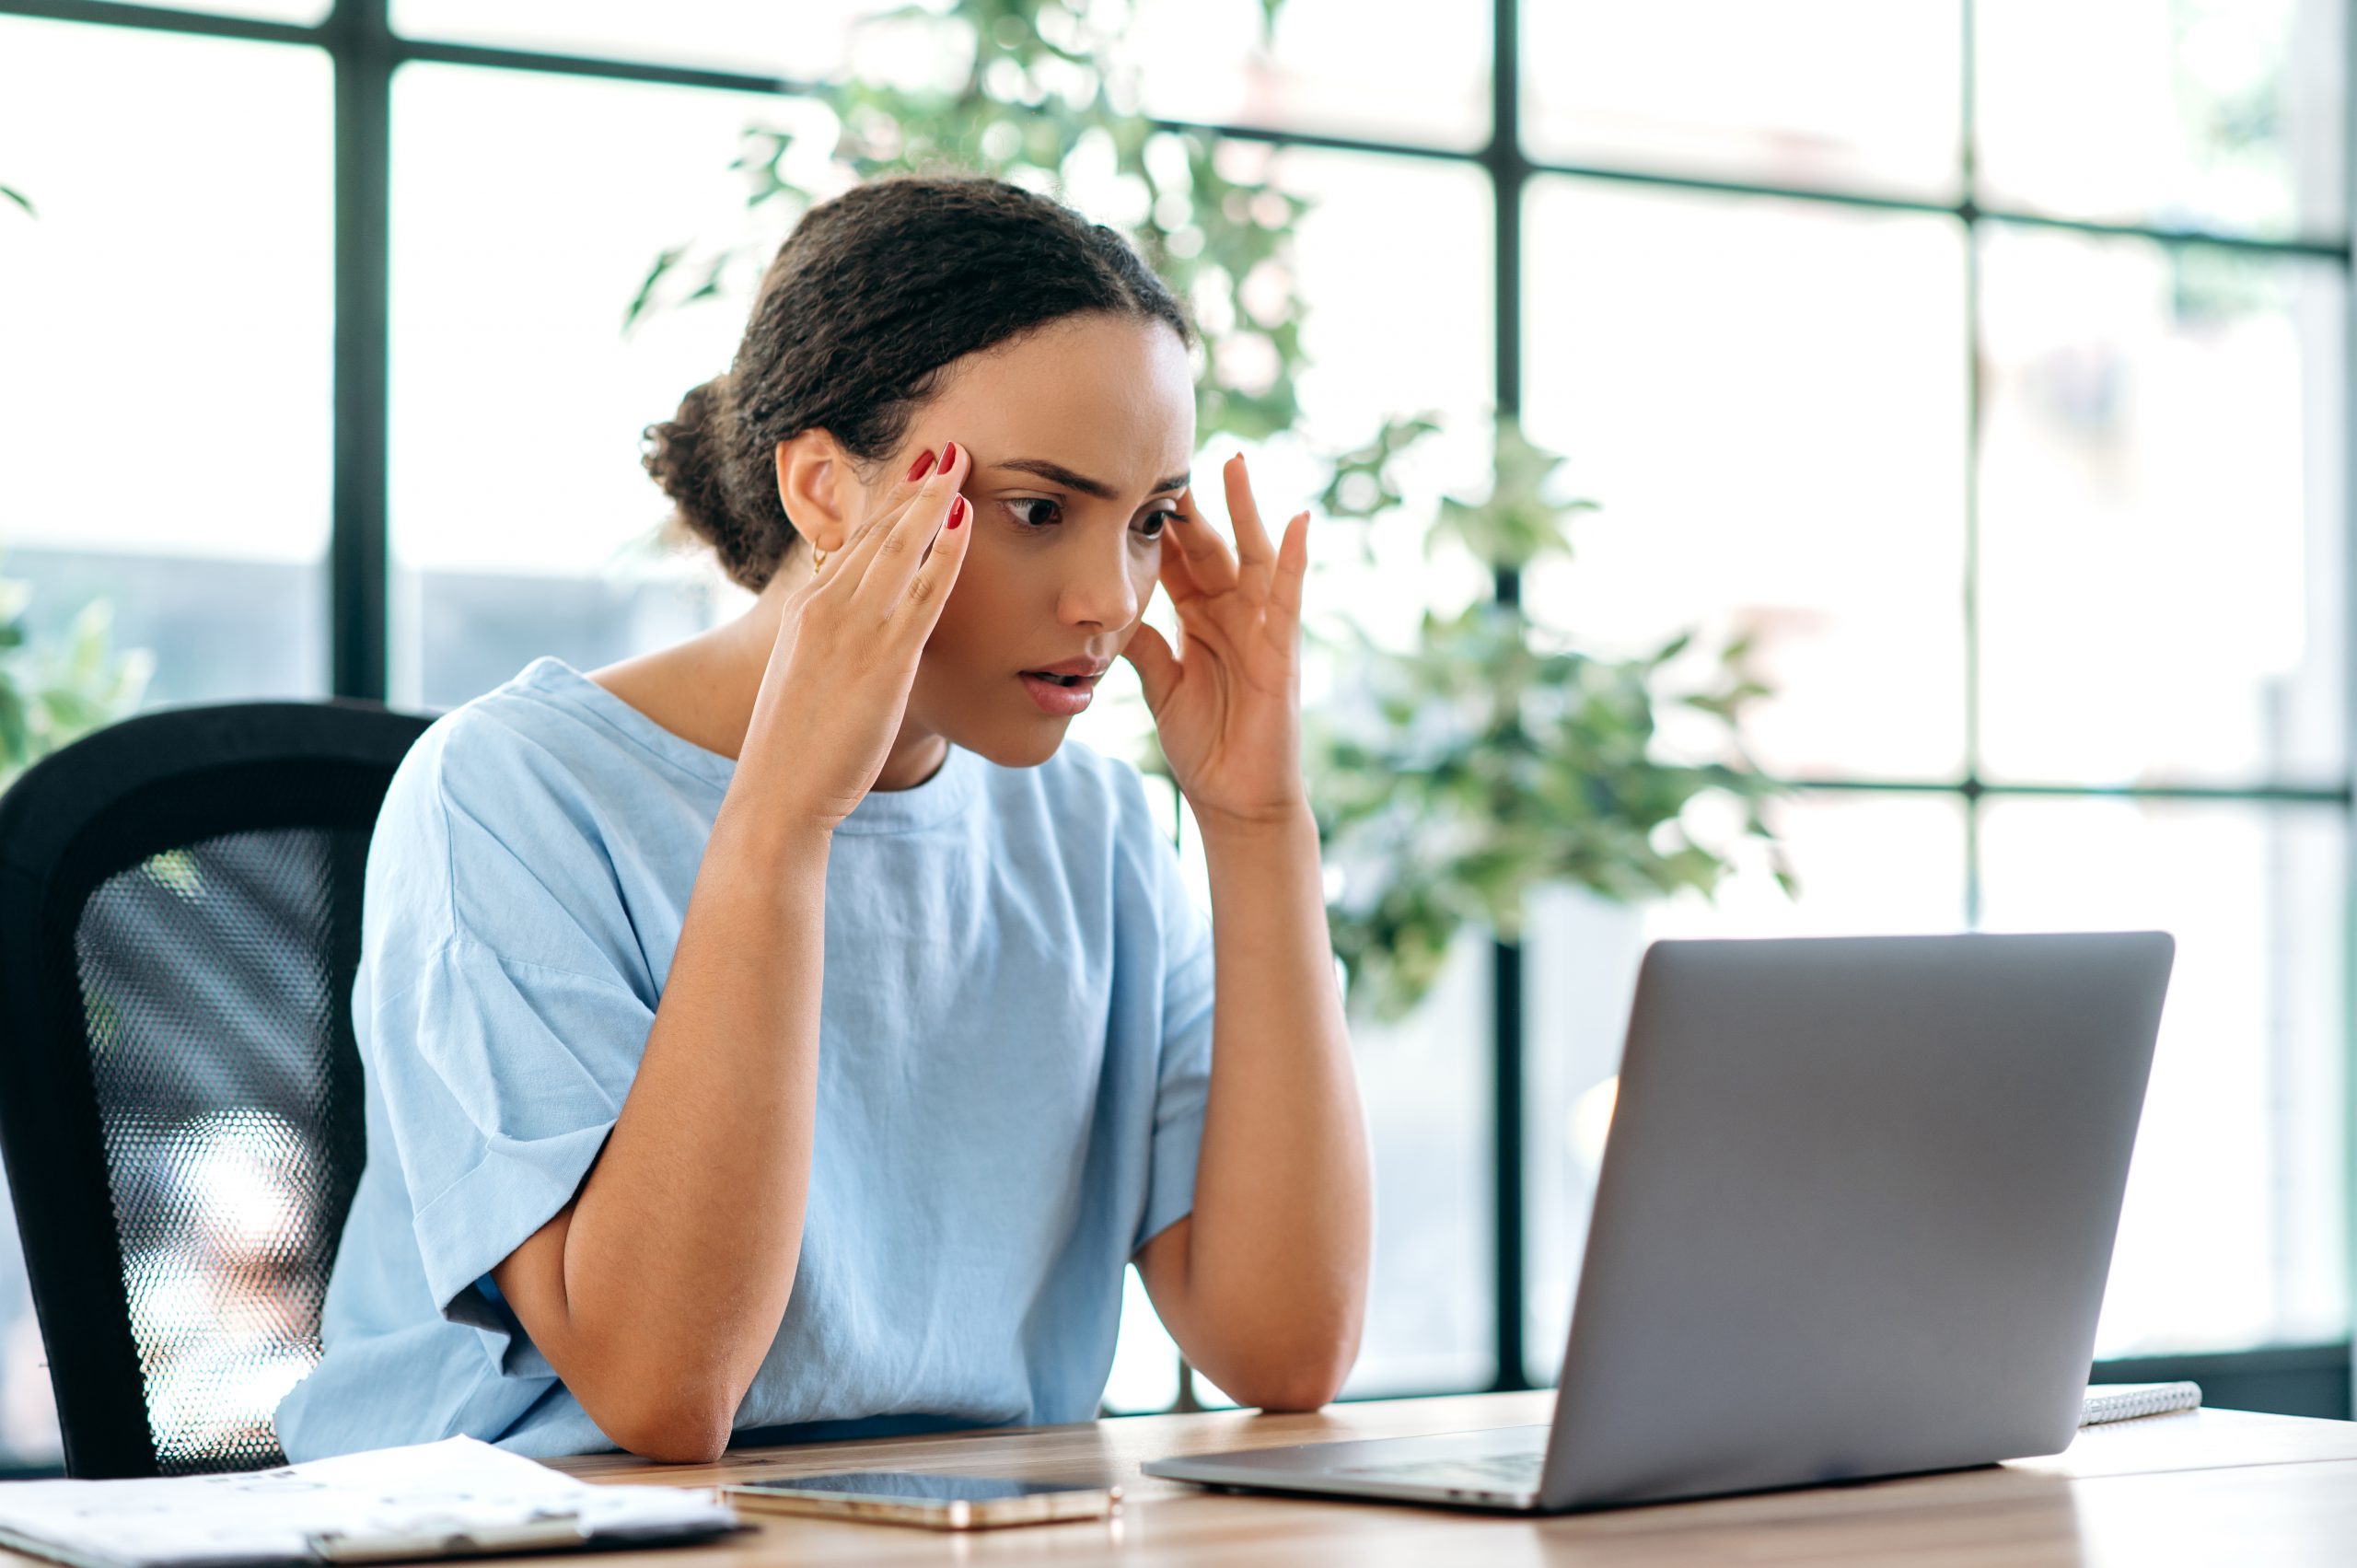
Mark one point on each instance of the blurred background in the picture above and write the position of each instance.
(1969, 378)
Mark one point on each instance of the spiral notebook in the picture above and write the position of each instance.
(457, 1497)
(2126, 1401)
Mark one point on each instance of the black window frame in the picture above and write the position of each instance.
(365, 52)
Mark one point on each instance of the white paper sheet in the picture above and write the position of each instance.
(427, 1500)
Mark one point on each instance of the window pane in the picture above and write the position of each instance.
(729, 35)
(168, 400)
(527, 211)
(2232, 1231)
(1426, 1085)
(1370, 359)
(1420, 219)
(1768, 397)
(1867, 864)
(2161, 512)
(1815, 93)
(2202, 113)
(1384, 71)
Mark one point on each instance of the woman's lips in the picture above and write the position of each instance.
(1056, 697)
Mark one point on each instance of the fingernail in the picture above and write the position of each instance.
(948, 454)
(956, 511)
(922, 466)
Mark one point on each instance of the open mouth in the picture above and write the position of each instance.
(1060, 692)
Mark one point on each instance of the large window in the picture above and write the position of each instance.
(1999, 392)
(1985, 361)
(165, 346)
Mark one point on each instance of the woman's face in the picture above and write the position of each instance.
(1080, 435)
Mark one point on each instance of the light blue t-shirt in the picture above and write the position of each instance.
(1015, 1043)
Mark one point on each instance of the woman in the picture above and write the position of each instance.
(783, 1032)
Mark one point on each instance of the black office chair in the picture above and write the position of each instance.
(179, 1091)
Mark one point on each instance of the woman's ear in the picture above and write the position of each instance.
(817, 487)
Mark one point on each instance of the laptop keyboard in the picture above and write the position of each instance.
(1487, 1472)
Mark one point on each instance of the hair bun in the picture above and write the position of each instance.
(687, 455)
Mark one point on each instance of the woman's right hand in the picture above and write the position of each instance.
(838, 680)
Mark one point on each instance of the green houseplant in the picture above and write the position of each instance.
(1451, 775)
(1492, 756)
(51, 695)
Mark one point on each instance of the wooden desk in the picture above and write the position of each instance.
(2206, 1487)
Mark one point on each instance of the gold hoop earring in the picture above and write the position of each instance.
(817, 559)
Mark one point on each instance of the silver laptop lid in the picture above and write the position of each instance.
(1856, 1210)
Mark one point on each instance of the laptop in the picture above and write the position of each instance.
(1854, 1219)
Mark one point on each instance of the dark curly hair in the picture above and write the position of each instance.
(870, 297)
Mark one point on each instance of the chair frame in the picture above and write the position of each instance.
(160, 781)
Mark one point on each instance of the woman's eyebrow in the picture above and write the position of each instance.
(1056, 474)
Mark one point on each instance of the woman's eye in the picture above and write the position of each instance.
(1149, 524)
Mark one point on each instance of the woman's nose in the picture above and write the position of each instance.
(1100, 592)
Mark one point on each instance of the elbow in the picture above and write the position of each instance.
(674, 1441)
(1294, 1360)
(684, 1426)
(1305, 1387)
(1308, 1378)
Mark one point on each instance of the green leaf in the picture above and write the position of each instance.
(10, 194)
(664, 262)
(1517, 522)
(711, 285)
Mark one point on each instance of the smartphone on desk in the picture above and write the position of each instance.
(938, 1502)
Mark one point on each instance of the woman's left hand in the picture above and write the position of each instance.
(1228, 703)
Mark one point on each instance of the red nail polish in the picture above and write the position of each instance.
(922, 466)
(948, 454)
(956, 511)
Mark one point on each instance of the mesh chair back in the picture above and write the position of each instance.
(179, 1091)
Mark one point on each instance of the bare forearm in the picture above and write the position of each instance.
(1277, 1246)
(677, 1255)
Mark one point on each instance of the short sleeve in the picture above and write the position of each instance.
(1184, 1072)
(500, 1032)
(501, 1080)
